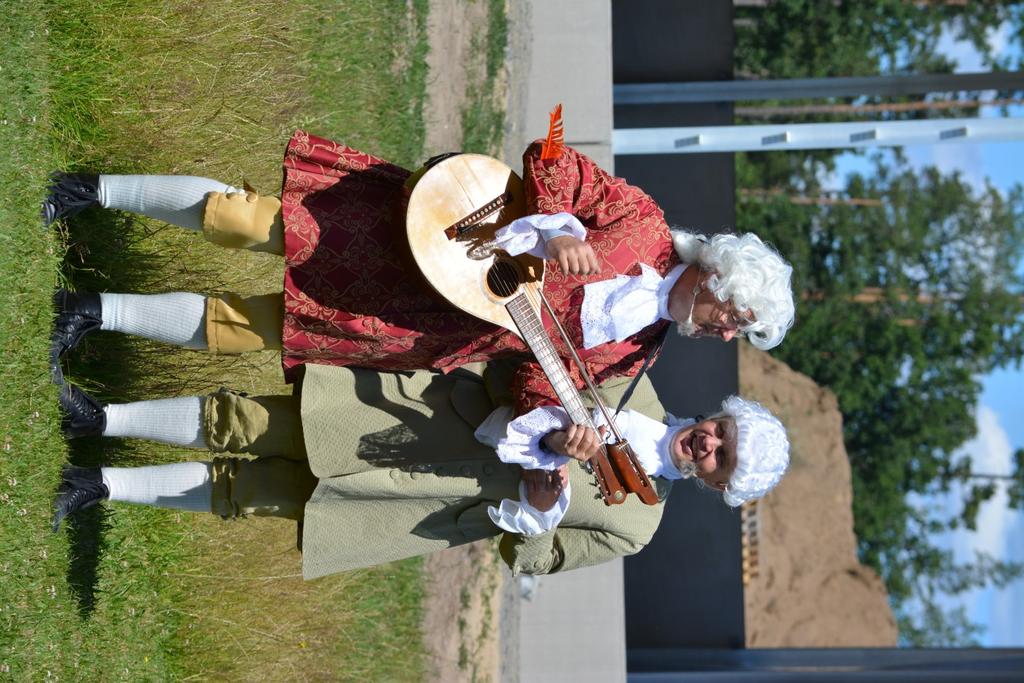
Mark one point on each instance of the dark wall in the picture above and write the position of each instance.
(685, 589)
(671, 40)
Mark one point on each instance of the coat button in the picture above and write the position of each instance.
(488, 469)
(395, 474)
(415, 475)
(466, 470)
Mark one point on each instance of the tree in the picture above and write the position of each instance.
(922, 621)
(810, 38)
(941, 259)
(982, 486)
(937, 627)
(942, 256)
(805, 38)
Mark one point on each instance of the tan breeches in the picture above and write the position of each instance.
(277, 482)
(244, 221)
(236, 324)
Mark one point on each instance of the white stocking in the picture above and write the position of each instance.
(175, 199)
(181, 486)
(176, 318)
(177, 421)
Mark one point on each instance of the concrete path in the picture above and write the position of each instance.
(560, 51)
(569, 626)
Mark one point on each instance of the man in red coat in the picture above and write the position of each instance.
(352, 297)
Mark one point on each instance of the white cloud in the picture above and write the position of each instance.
(1005, 621)
(1000, 533)
(965, 157)
(991, 453)
(999, 38)
(962, 52)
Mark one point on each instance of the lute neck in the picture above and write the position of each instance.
(536, 337)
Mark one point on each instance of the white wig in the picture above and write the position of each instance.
(762, 449)
(751, 274)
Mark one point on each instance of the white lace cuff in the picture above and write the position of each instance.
(519, 517)
(521, 444)
(529, 235)
(492, 430)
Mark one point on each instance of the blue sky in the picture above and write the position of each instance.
(1000, 412)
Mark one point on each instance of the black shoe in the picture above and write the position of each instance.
(83, 415)
(78, 313)
(80, 488)
(70, 193)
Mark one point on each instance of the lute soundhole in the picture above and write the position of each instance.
(504, 278)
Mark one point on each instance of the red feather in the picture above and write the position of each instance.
(552, 148)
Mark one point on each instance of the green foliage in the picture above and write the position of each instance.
(1016, 489)
(903, 305)
(483, 117)
(810, 38)
(982, 486)
(935, 627)
(908, 296)
(922, 621)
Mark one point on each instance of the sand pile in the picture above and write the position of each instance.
(810, 590)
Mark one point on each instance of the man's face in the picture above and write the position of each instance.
(714, 318)
(710, 317)
(711, 447)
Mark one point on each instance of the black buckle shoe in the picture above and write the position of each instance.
(78, 313)
(83, 415)
(80, 488)
(69, 193)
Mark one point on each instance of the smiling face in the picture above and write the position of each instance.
(711, 447)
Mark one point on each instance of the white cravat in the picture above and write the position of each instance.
(652, 442)
(612, 309)
(618, 308)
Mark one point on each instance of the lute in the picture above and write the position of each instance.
(454, 209)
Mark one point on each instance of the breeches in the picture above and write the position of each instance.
(236, 324)
(277, 481)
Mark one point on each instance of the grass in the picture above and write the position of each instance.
(206, 88)
(374, 102)
(483, 117)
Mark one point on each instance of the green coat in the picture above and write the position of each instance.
(401, 475)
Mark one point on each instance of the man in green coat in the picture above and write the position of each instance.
(378, 467)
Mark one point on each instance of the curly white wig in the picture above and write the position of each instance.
(762, 449)
(751, 274)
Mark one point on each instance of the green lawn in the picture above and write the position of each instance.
(483, 118)
(206, 88)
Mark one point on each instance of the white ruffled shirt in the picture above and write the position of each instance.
(518, 441)
(619, 308)
(613, 309)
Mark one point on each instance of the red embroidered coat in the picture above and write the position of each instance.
(352, 295)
